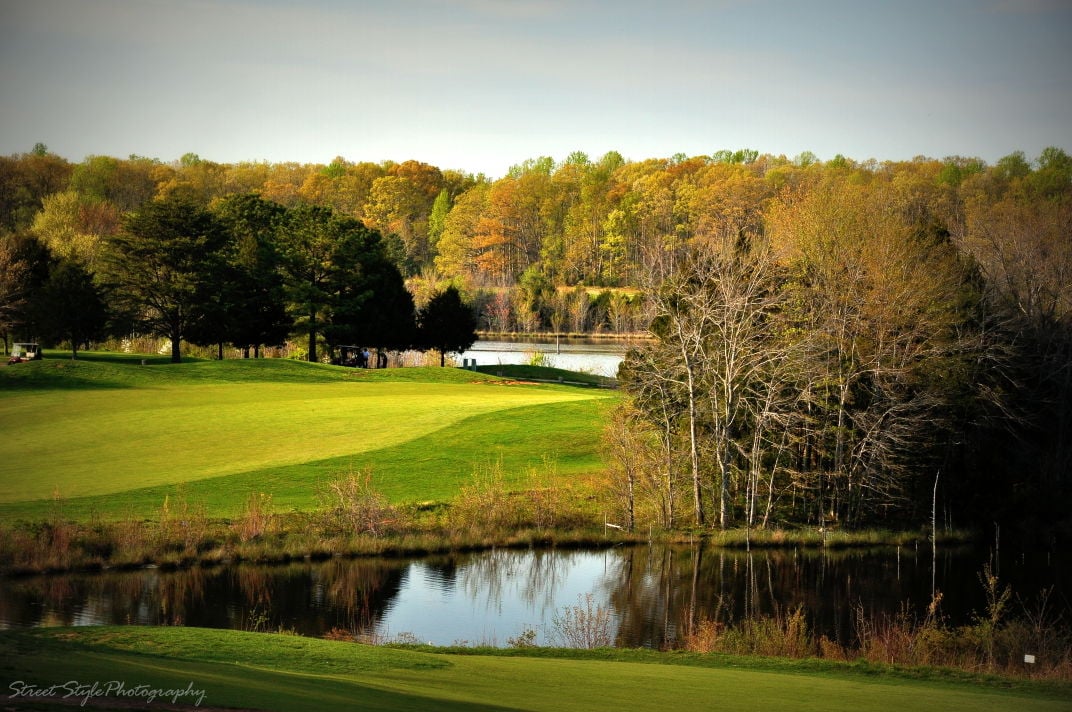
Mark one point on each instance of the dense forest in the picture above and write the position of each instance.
(836, 342)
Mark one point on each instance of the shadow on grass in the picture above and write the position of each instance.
(214, 669)
(55, 374)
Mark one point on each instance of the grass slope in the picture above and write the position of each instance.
(115, 437)
(272, 672)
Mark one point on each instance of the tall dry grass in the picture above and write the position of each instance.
(995, 641)
(487, 506)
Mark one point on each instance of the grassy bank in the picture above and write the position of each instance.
(124, 460)
(354, 518)
(273, 672)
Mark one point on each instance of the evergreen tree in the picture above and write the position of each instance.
(256, 311)
(447, 324)
(70, 306)
(165, 267)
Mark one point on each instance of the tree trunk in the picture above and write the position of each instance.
(694, 448)
(312, 336)
(176, 345)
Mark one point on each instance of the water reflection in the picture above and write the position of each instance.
(657, 594)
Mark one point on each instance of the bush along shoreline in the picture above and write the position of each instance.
(355, 520)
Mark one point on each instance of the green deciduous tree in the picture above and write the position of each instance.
(457, 253)
(25, 181)
(400, 204)
(73, 229)
(31, 264)
(12, 286)
(438, 218)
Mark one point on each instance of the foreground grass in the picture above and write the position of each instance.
(272, 672)
(112, 437)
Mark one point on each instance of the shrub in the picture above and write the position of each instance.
(525, 639)
(257, 520)
(353, 505)
(586, 625)
(181, 527)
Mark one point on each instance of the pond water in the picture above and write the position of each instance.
(600, 358)
(653, 593)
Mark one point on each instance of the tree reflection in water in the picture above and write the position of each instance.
(658, 595)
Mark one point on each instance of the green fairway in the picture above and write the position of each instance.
(273, 672)
(115, 437)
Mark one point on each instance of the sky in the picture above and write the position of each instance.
(481, 85)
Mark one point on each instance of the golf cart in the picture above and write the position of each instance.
(353, 356)
(21, 353)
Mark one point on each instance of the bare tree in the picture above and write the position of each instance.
(714, 337)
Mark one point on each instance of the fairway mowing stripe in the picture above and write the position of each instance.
(95, 442)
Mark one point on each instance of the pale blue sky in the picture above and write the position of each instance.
(479, 85)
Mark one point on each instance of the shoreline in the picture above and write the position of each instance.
(62, 548)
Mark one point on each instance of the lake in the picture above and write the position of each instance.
(653, 592)
(598, 357)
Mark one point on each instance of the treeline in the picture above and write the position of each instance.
(514, 244)
(246, 272)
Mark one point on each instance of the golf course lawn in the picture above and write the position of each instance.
(115, 438)
(276, 672)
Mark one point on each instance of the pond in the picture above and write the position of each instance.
(652, 592)
(598, 357)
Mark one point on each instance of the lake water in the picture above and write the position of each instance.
(653, 593)
(600, 358)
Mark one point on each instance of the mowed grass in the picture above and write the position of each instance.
(117, 437)
(274, 672)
